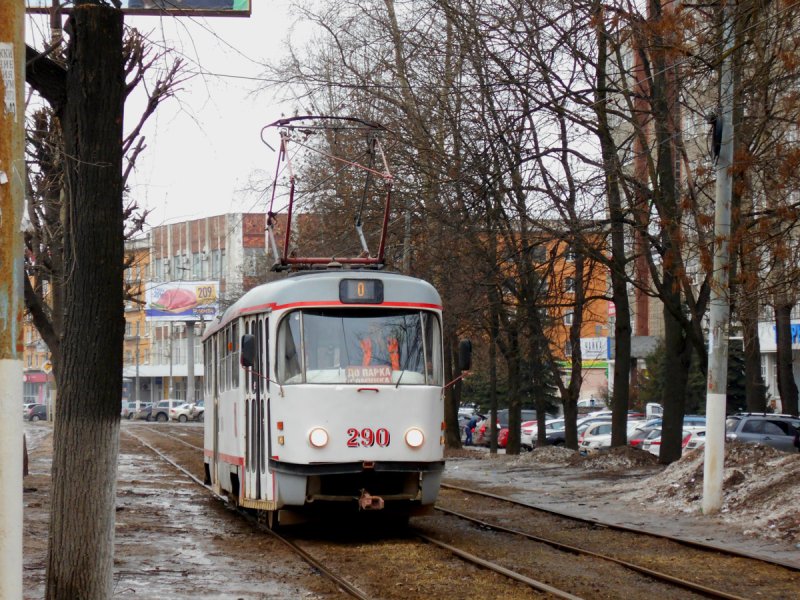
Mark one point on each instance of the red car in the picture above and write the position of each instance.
(502, 435)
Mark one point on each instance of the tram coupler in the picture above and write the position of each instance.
(369, 502)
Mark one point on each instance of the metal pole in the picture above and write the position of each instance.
(136, 384)
(12, 177)
(720, 301)
(169, 387)
(190, 361)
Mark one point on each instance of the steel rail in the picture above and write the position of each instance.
(574, 549)
(172, 437)
(343, 584)
(538, 585)
(616, 526)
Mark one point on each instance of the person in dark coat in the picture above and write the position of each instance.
(468, 429)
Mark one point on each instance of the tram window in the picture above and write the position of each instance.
(433, 352)
(289, 348)
(265, 326)
(360, 346)
(235, 354)
(220, 360)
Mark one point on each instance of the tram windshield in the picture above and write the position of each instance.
(360, 346)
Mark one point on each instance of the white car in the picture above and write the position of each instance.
(697, 440)
(596, 436)
(181, 413)
(530, 430)
(652, 443)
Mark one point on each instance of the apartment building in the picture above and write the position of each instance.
(228, 250)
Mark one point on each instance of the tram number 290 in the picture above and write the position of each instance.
(367, 437)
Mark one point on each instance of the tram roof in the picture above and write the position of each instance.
(316, 288)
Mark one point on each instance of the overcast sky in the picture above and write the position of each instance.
(204, 146)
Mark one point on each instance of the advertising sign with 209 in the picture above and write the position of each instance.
(182, 301)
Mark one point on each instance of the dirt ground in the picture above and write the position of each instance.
(173, 542)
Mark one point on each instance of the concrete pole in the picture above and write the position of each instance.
(720, 301)
(170, 387)
(12, 178)
(190, 361)
(136, 381)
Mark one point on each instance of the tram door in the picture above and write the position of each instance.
(255, 413)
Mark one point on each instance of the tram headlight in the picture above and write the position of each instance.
(414, 437)
(318, 437)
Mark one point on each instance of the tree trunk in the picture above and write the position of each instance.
(514, 403)
(755, 390)
(622, 324)
(570, 400)
(86, 437)
(787, 388)
(453, 393)
(677, 360)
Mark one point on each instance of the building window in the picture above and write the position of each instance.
(568, 318)
(538, 254)
(569, 285)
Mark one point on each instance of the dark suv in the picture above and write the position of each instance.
(777, 431)
(36, 412)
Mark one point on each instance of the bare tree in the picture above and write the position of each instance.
(76, 244)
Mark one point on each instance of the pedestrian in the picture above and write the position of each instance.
(468, 429)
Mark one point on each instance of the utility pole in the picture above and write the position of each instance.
(720, 288)
(12, 178)
(190, 361)
(136, 384)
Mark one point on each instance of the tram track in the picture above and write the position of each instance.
(596, 522)
(469, 546)
(672, 560)
(342, 583)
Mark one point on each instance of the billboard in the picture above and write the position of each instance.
(186, 8)
(182, 301)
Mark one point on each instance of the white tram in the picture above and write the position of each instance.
(326, 387)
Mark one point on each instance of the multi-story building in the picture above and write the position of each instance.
(38, 381)
(595, 330)
(227, 249)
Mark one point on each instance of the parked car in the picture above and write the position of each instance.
(690, 422)
(161, 409)
(652, 443)
(530, 432)
(502, 435)
(637, 435)
(596, 436)
(777, 431)
(198, 411)
(37, 412)
(143, 412)
(26, 407)
(128, 410)
(591, 403)
(698, 440)
(181, 413)
(481, 436)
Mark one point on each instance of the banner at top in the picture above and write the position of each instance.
(180, 8)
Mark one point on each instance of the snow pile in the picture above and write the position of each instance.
(622, 458)
(548, 455)
(761, 488)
